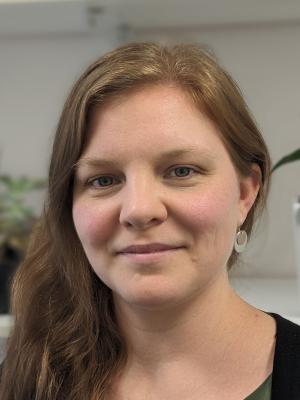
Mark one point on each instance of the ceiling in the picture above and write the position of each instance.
(21, 17)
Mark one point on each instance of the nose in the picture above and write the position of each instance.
(142, 205)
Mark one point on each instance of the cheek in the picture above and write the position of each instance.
(211, 223)
(212, 210)
(93, 223)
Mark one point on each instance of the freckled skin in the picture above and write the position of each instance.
(201, 211)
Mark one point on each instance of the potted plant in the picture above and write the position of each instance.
(16, 221)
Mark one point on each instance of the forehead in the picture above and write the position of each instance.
(149, 120)
(152, 103)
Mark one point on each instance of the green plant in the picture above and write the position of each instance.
(294, 156)
(16, 217)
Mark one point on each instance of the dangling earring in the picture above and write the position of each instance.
(240, 242)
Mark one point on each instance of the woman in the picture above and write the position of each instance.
(124, 293)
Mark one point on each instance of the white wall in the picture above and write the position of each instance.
(35, 77)
(36, 74)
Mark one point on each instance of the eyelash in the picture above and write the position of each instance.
(91, 181)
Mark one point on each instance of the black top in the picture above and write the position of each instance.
(286, 367)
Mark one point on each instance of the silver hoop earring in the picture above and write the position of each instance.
(240, 242)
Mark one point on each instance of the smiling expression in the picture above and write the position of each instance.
(167, 178)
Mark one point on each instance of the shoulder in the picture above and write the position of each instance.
(287, 332)
(287, 340)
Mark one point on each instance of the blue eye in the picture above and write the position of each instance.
(104, 180)
(182, 169)
(96, 182)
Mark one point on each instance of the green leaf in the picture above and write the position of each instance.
(294, 156)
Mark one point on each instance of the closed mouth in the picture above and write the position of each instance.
(150, 252)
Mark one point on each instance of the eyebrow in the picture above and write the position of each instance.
(100, 162)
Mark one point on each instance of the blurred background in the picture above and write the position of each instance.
(46, 44)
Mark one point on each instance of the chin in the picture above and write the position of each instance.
(154, 299)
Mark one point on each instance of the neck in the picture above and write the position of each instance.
(197, 331)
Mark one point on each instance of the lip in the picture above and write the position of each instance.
(147, 248)
(147, 258)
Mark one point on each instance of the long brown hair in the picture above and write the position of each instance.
(65, 343)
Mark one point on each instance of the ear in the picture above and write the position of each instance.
(249, 188)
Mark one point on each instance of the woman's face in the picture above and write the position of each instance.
(191, 199)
